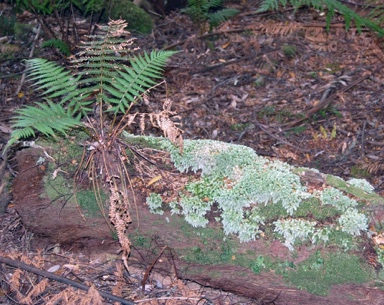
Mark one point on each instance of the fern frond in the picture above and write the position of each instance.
(47, 118)
(376, 11)
(58, 83)
(218, 17)
(332, 6)
(58, 44)
(213, 4)
(138, 78)
(50, 77)
(101, 79)
(20, 133)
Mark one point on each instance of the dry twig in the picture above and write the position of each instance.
(52, 276)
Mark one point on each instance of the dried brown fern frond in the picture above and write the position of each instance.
(120, 281)
(280, 28)
(120, 217)
(160, 120)
(15, 284)
(372, 168)
(92, 297)
(163, 121)
(34, 292)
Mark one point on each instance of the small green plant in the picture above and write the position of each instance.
(154, 202)
(98, 81)
(331, 6)
(211, 11)
(358, 171)
(289, 50)
(258, 264)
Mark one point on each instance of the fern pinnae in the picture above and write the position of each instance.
(332, 6)
(58, 44)
(139, 77)
(46, 118)
(99, 80)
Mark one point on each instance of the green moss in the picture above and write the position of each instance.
(88, 202)
(59, 185)
(340, 184)
(319, 272)
(138, 20)
(272, 212)
(59, 190)
(140, 240)
(312, 209)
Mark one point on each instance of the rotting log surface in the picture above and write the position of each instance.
(58, 223)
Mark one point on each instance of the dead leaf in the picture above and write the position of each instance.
(153, 180)
(379, 239)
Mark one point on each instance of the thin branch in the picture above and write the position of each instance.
(277, 137)
(150, 268)
(30, 56)
(52, 276)
(329, 100)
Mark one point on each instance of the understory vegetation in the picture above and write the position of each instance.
(99, 83)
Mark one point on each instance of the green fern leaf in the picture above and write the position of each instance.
(137, 79)
(20, 133)
(58, 44)
(51, 77)
(218, 17)
(56, 82)
(47, 118)
(332, 6)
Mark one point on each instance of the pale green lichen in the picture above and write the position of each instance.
(155, 202)
(294, 229)
(362, 184)
(336, 198)
(241, 183)
(352, 222)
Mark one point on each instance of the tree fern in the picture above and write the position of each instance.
(332, 6)
(98, 78)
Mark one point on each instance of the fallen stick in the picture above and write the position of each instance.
(329, 100)
(52, 276)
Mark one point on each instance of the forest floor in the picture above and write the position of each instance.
(276, 82)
